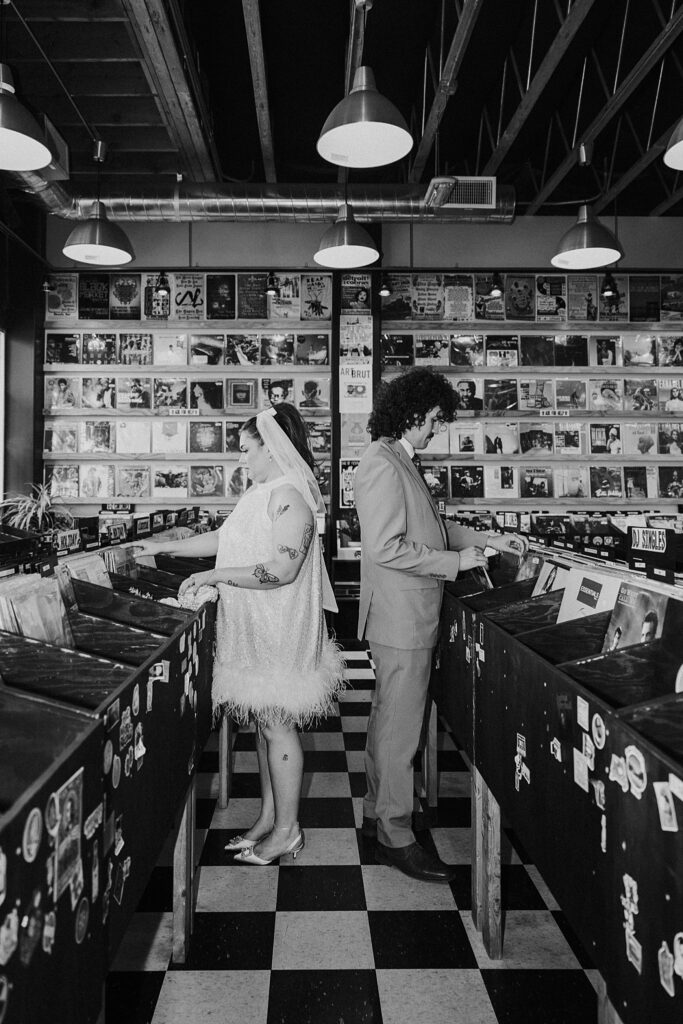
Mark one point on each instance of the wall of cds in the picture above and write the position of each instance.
(145, 399)
(560, 395)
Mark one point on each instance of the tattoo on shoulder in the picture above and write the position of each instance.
(307, 538)
(280, 511)
(284, 550)
(263, 576)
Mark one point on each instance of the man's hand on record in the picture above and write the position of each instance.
(472, 557)
(515, 543)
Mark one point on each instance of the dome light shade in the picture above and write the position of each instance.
(21, 141)
(365, 129)
(587, 244)
(496, 289)
(346, 244)
(385, 289)
(98, 241)
(674, 150)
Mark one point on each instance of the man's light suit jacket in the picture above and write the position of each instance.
(407, 550)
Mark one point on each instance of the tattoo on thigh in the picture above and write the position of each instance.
(263, 576)
(284, 550)
(307, 538)
(285, 757)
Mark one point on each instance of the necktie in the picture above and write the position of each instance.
(417, 462)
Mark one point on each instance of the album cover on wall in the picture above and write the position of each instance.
(670, 439)
(133, 393)
(639, 349)
(62, 347)
(671, 297)
(536, 482)
(97, 436)
(169, 480)
(501, 482)
(169, 436)
(170, 392)
(467, 349)
(536, 439)
(606, 482)
(570, 437)
(241, 393)
(98, 392)
(347, 471)
(432, 349)
(170, 349)
(537, 350)
(502, 438)
(435, 475)
(571, 350)
(500, 394)
(277, 349)
(643, 294)
(95, 480)
(242, 350)
(458, 297)
(206, 395)
(220, 296)
(519, 297)
(207, 436)
(207, 349)
(551, 297)
(62, 393)
(535, 393)
(641, 482)
(462, 438)
(313, 392)
(468, 393)
(670, 394)
(323, 474)
(396, 350)
(207, 482)
(605, 438)
(135, 349)
(502, 350)
(605, 351)
(467, 481)
(486, 305)
(640, 394)
(134, 436)
(133, 481)
(582, 297)
(571, 481)
(316, 296)
(670, 481)
(606, 394)
(60, 436)
(275, 390)
(669, 350)
(319, 436)
(98, 348)
(237, 481)
(286, 303)
(570, 393)
(252, 302)
(312, 349)
(62, 480)
(639, 438)
(233, 429)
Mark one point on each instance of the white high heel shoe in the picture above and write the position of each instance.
(249, 857)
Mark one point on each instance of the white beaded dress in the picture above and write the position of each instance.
(274, 660)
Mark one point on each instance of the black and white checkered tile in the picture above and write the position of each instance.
(334, 937)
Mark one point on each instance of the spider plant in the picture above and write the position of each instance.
(37, 511)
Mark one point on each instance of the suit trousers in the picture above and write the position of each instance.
(394, 728)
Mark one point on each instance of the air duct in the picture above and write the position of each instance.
(211, 201)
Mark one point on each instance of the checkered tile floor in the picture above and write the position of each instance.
(333, 938)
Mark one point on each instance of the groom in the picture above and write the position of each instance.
(407, 551)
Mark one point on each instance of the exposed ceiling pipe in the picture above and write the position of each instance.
(212, 201)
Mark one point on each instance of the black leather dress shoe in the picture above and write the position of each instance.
(369, 828)
(415, 861)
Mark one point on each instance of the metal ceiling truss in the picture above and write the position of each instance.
(615, 98)
(252, 25)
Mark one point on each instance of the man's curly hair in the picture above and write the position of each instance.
(404, 401)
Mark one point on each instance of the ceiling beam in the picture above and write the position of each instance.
(649, 59)
(169, 75)
(566, 33)
(447, 84)
(667, 203)
(634, 171)
(252, 24)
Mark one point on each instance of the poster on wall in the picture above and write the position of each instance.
(286, 305)
(188, 299)
(486, 306)
(397, 305)
(615, 307)
(355, 338)
(355, 294)
(551, 297)
(93, 296)
(155, 306)
(61, 296)
(354, 437)
(355, 387)
(582, 297)
(458, 297)
(519, 297)
(347, 471)
(427, 299)
(220, 296)
(643, 297)
(316, 296)
(671, 297)
(125, 297)
(252, 302)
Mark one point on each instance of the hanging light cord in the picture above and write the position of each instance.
(91, 132)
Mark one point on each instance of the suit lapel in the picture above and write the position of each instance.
(403, 457)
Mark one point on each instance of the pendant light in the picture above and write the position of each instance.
(587, 245)
(346, 244)
(21, 141)
(496, 289)
(272, 286)
(674, 150)
(385, 289)
(608, 288)
(365, 129)
(96, 240)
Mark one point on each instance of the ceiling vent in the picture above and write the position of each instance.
(58, 168)
(461, 193)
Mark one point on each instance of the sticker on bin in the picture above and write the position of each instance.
(160, 670)
(582, 712)
(665, 806)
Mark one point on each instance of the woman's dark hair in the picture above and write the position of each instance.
(404, 401)
(289, 419)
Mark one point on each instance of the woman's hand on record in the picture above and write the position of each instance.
(195, 581)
